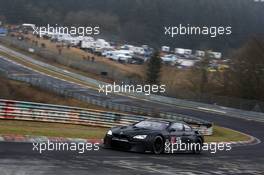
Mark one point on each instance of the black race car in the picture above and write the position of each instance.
(156, 136)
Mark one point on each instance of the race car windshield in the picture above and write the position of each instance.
(152, 125)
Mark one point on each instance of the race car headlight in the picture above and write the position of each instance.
(141, 137)
(109, 133)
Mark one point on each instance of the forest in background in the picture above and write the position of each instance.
(142, 21)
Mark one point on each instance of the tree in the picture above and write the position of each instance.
(201, 70)
(246, 73)
(153, 69)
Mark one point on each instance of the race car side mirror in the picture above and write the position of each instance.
(172, 130)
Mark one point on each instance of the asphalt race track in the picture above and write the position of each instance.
(19, 159)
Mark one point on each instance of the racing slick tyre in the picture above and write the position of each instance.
(197, 148)
(158, 145)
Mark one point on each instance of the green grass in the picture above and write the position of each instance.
(50, 129)
(89, 132)
(225, 134)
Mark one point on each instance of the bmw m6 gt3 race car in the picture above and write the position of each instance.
(156, 136)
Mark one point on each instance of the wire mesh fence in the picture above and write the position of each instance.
(232, 102)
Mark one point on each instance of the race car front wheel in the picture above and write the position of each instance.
(158, 145)
(197, 148)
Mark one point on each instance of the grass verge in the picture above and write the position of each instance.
(50, 129)
(46, 71)
(225, 135)
(77, 131)
(15, 90)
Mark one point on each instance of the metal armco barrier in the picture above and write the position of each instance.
(108, 104)
(19, 110)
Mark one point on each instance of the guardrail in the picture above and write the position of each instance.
(108, 104)
(231, 112)
(19, 110)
